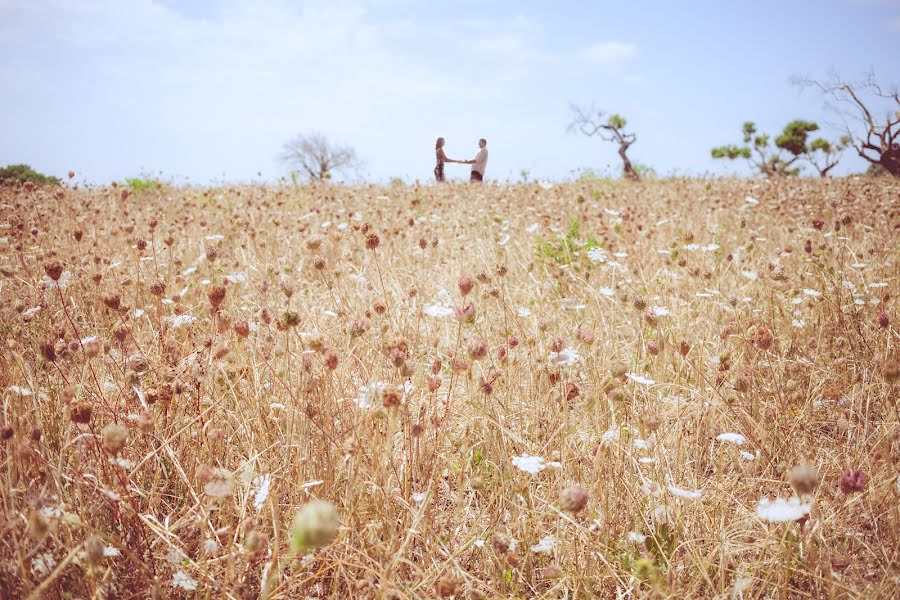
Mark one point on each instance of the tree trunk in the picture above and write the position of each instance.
(629, 170)
(890, 160)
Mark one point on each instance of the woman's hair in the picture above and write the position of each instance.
(439, 143)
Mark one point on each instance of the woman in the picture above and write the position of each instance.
(441, 159)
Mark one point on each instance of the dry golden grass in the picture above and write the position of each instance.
(184, 369)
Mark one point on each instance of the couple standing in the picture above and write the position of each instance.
(478, 163)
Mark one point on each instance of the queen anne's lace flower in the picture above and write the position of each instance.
(780, 510)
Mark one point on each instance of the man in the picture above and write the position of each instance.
(479, 163)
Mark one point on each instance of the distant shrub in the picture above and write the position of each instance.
(26, 173)
(397, 182)
(143, 184)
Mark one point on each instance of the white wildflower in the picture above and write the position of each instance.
(215, 237)
(639, 379)
(180, 320)
(533, 464)
(262, 484)
(597, 255)
(237, 277)
(683, 493)
(121, 462)
(418, 497)
(609, 436)
(532, 228)
(111, 552)
(637, 538)
(781, 511)
(184, 581)
(565, 357)
(479, 543)
(812, 293)
(312, 484)
(545, 545)
(751, 200)
(748, 456)
(749, 275)
(503, 239)
(19, 390)
(661, 311)
(210, 546)
(31, 312)
(606, 291)
(523, 312)
(42, 564)
(437, 311)
(733, 438)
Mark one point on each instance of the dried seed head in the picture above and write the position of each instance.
(618, 369)
(53, 269)
(557, 344)
(639, 303)
(501, 543)
(216, 296)
(114, 436)
(804, 479)
(112, 301)
(552, 571)
(319, 263)
(372, 241)
(330, 358)
(137, 363)
(242, 327)
(853, 481)
(158, 288)
(212, 253)
(465, 285)
(94, 549)
(38, 526)
(762, 337)
(81, 412)
(315, 525)
(391, 396)
(357, 327)
(448, 585)
(573, 498)
(477, 348)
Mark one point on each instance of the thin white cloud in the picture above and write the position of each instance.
(609, 52)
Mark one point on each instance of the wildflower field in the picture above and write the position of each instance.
(681, 388)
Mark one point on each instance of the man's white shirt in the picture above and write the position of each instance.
(480, 161)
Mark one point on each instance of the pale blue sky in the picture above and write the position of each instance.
(209, 89)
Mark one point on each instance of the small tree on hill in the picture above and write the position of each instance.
(791, 145)
(823, 155)
(611, 130)
(870, 115)
(317, 158)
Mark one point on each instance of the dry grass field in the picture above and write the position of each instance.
(678, 389)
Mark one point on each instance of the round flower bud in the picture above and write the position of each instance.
(573, 498)
(114, 436)
(315, 525)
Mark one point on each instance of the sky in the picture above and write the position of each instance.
(208, 91)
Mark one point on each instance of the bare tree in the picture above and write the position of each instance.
(870, 115)
(317, 158)
(611, 130)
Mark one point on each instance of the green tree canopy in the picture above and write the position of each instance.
(791, 145)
